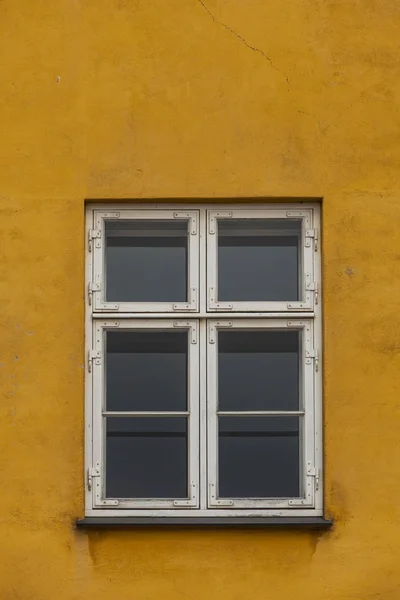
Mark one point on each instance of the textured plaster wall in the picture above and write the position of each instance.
(180, 98)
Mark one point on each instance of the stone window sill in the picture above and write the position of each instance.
(205, 522)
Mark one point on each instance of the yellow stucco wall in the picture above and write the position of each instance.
(175, 98)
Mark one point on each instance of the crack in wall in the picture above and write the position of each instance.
(242, 39)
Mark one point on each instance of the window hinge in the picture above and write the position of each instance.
(213, 327)
(188, 325)
(315, 473)
(192, 220)
(213, 216)
(94, 356)
(312, 234)
(312, 355)
(94, 234)
(312, 286)
(191, 305)
(92, 287)
(91, 472)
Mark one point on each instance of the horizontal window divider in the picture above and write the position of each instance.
(205, 315)
(242, 232)
(260, 413)
(153, 233)
(143, 413)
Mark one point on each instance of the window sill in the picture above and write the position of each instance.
(205, 522)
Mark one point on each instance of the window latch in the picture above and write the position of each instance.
(91, 472)
(94, 355)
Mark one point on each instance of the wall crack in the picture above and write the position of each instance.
(242, 40)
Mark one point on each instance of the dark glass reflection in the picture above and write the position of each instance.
(146, 457)
(146, 370)
(258, 260)
(259, 457)
(258, 370)
(146, 261)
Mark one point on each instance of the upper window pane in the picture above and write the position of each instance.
(258, 370)
(258, 260)
(146, 370)
(146, 261)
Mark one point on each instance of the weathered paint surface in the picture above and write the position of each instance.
(221, 98)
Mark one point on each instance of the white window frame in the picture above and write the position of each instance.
(97, 367)
(202, 276)
(306, 262)
(97, 285)
(305, 411)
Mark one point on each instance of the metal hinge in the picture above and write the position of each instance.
(312, 355)
(93, 356)
(314, 472)
(92, 287)
(94, 234)
(191, 327)
(191, 305)
(312, 286)
(213, 326)
(312, 234)
(91, 472)
(213, 216)
(192, 220)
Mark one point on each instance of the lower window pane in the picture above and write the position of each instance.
(146, 457)
(259, 457)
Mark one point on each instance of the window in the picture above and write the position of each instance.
(203, 337)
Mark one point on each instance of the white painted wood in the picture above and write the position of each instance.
(305, 260)
(99, 413)
(99, 272)
(202, 389)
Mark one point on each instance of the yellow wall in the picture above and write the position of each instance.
(173, 98)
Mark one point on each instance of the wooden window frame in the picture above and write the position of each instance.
(199, 319)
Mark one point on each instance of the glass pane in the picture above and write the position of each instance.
(259, 457)
(146, 457)
(258, 260)
(146, 370)
(258, 370)
(146, 261)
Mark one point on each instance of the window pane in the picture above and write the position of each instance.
(146, 457)
(259, 457)
(258, 370)
(146, 261)
(258, 260)
(146, 370)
